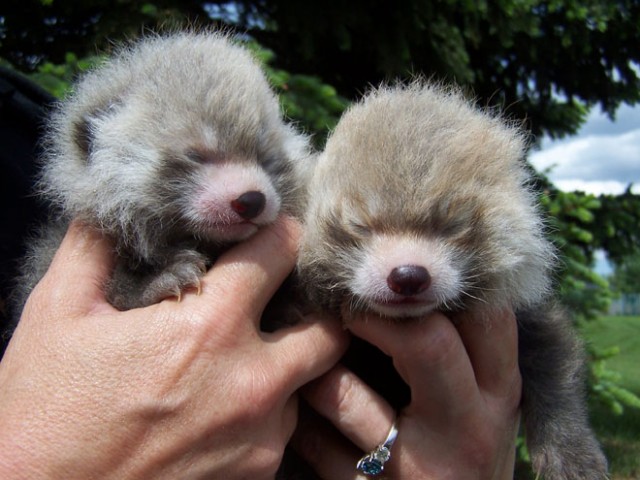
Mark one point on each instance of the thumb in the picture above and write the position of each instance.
(79, 270)
(308, 349)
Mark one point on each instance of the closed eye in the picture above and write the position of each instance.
(201, 156)
(194, 156)
(268, 162)
(360, 229)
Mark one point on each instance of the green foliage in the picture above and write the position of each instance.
(570, 217)
(57, 79)
(546, 62)
(314, 105)
(623, 333)
(617, 225)
(580, 224)
(605, 384)
(620, 438)
(615, 346)
(626, 275)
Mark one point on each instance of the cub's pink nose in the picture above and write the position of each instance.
(409, 280)
(249, 205)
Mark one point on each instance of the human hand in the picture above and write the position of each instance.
(463, 417)
(189, 389)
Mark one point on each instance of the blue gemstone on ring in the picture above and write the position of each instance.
(371, 466)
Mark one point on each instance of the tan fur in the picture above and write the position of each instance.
(420, 160)
(421, 202)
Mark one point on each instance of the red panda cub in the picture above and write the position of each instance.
(175, 147)
(420, 202)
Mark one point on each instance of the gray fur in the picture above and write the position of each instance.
(416, 176)
(152, 148)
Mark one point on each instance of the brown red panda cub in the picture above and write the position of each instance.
(174, 147)
(420, 202)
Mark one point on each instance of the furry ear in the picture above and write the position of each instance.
(83, 128)
(82, 133)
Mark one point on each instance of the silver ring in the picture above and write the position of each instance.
(372, 463)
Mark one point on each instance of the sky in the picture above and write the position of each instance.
(604, 157)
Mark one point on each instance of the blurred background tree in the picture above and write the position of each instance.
(546, 62)
(626, 276)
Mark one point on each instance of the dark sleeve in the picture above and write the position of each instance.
(23, 106)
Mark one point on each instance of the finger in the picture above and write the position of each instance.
(492, 345)
(429, 355)
(80, 268)
(359, 413)
(289, 420)
(327, 452)
(256, 267)
(306, 350)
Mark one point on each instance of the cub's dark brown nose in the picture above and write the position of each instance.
(249, 205)
(409, 280)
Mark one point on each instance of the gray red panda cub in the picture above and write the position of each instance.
(419, 202)
(174, 147)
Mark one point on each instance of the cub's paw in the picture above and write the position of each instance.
(183, 273)
(582, 461)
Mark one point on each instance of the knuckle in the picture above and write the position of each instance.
(261, 394)
(344, 397)
(434, 346)
(268, 462)
(337, 393)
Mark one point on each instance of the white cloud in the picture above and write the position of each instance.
(612, 187)
(603, 158)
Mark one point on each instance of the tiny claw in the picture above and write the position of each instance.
(179, 296)
(199, 287)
